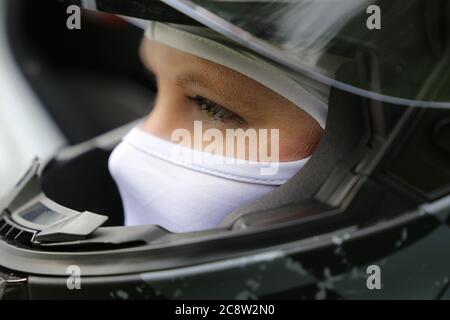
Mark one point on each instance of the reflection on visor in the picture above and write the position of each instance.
(404, 62)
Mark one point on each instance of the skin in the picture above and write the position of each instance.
(181, 76)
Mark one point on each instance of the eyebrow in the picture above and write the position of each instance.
(199, 80)
(228, 95)
(191, 77)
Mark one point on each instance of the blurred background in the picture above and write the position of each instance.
(61, 87)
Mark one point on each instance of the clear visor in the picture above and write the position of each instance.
(394, 50)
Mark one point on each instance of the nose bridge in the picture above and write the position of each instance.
(170, 111)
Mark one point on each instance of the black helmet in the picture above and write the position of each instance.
(374, 196)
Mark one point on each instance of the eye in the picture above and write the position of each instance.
(216, 111)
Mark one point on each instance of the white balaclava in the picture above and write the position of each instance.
(158, 180)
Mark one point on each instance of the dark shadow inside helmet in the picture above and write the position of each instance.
(85, 185)
(91, 80)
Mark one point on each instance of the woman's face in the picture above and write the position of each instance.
(193, 89)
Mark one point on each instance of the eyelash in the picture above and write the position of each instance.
(216, 111)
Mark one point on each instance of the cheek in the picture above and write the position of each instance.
(299, 144)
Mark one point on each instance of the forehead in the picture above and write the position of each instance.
(162, 58)
(186, 69)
